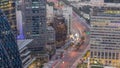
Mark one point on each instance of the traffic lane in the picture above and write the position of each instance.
(69, 62)
(86, 40)
(79, 28)
(68, 59)
(63, 64)
(81, 20)
(82, 29)
(78, 23)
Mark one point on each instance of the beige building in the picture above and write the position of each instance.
(105, 34)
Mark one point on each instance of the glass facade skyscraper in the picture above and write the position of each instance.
(9, 9)
(9, 54)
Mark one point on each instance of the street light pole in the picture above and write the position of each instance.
(88, 66)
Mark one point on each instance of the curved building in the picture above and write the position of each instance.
(9, 54)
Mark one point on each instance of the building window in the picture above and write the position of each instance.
(98, 54)
(35, 11)
(117, 55)
(113, 55)
(106, 54)
(102, 55)
(91, 54)
(109, 55)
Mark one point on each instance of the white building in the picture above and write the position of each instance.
(24, 52)
(67, 13)
(50, 14)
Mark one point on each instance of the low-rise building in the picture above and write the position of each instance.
(51, 41)
(25, 53)
(50, 35)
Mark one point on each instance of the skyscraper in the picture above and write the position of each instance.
(67, 13)
(34, 15)
(105, 34)
(9, 8)
(9, 54)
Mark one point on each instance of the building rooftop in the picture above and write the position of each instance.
(23, 43)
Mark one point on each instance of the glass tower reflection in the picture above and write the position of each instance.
(9, 54)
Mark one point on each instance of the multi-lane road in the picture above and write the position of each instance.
(71, 56)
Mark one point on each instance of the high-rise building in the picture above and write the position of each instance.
(105, 34)
(51, 46)
(50, 14)
(67, 13)
(9, 8)
(34, 26)
(60, 27)
(9, 54)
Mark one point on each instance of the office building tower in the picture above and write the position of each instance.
(9, 8)
(34, 26)
(67, 13)
(105, 34)
(9, 54)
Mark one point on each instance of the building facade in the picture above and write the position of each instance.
(50, 36)
(103, 2)
(51, 45)
(67, 13)
(60, 29)
(9, 54)
(9, 8)
(34, 25)
(50, 14)
(25, 55)
(105, 37)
